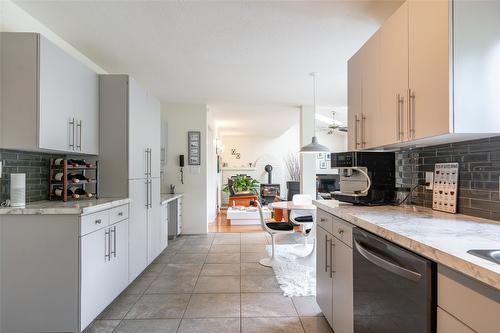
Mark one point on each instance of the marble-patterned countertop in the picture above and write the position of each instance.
(441, 237)
(167, 197)
(81, 207)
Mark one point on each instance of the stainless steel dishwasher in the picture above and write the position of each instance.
(394, 289)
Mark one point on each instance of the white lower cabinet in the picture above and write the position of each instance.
(154, 221)
(104, 269)
(164, 227)
(324, 283)
(446, 323)
(334, 278)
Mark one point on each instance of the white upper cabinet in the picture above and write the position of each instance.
(50, 100)
(438, 79)
(429, 70)
(354, 100)
(394, 78)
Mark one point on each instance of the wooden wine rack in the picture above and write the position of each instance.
(65, 183)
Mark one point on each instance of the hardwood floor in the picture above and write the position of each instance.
(221, 224)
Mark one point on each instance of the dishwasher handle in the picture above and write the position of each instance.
(388, 266)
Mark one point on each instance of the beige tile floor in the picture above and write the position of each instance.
(210, 283)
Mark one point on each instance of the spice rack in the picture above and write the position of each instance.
(64, 183)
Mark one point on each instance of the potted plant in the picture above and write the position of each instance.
(293, 168)
(242, 184)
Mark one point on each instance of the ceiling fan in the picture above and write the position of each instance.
(332, 124)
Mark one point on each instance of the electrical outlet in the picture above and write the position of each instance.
(429, 180)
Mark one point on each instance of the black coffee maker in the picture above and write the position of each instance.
(366, 178)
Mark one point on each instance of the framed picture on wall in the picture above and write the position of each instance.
(320, 156)
(328, 157)
(322, 164)
(194, 147)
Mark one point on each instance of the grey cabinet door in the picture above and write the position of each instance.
(95, 271)
(342, 288)
(58, 91)
(138, 251)
(323, 276)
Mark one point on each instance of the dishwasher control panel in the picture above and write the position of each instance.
(444, 197)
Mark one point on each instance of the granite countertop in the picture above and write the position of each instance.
(167, 197)
(69, 208)
(442, 237)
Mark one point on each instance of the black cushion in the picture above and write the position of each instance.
(285, 226)
(304, 219)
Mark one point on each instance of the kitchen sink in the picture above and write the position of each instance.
(491, 255)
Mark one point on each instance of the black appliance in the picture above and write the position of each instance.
(269, 191)
(394, 289)
(366, 178)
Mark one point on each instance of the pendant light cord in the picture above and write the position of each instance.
(313, 74)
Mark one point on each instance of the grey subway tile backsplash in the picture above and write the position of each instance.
(36, 167)
(478, 179)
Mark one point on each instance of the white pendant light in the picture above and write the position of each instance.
(314, 147)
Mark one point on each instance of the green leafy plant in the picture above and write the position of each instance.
(242, 183)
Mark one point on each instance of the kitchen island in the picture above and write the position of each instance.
(466, 288)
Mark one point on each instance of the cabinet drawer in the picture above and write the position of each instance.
(324, 220)
(474, 304)
(118, 214)
(342, 230)
(446, 323)
(92, 222)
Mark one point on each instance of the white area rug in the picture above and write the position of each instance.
(295, 278)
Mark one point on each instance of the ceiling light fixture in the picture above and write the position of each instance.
(314, 147)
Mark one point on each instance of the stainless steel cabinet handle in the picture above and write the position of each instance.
(120, 214)
(398, 118)
(341, 231)
(79, 127)
(72, 134)
(99, 221)
(113, 231)
(150, 194)
(146, 162)
(322, 219)
(388, 266)
(147, 193)
(363, 130)
(411, 113)
(332, 245)
(150, 161)
(107, 240)
(356, 122)
(326, 253)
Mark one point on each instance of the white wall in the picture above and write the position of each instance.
(263, 150)
(13, 18)
(181, 119)
(212, 176)
(337, 142)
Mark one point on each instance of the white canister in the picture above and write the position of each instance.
(18, 190)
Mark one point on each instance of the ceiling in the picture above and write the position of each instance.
(239, 120)
(223, 53)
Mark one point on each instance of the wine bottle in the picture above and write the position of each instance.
(71, 177)
(58, 161)
(78, 176)
(80, 163)
(59, 192)
(80, 191)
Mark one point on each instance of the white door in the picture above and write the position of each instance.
(354, 100)
(323, 279)
(154, 136)
(137, 227)
(87, 112)
(119, 257)
(95, 272)
(139, 130)
(370, 55)
(58, 91)
(429, 68)
(154, 220)
(343, 316)
(394, 79)
(164, 228)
